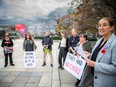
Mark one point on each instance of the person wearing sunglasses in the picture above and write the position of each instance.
(7, 45)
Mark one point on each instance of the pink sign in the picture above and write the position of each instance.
(74, 65)
(21, 28)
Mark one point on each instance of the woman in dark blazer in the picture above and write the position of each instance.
(101, 67)
(63, 46)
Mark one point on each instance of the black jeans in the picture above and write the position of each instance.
(62, 55)
(10, 58)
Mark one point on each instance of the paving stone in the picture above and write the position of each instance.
(31, 69)
(15, 69)
(5, 84)
(44, 69)
(17, 85)
(44, 86)
(45, 80)
(67, 85)
(36, 74)
(34, 80)
(4, 72)
(1, 68)
(9, 79)
(31, 85)
(55, 74)
(56, 83)
(14, 73)
(25, 74)
(2, 77)
(20, 81)
(66, 77)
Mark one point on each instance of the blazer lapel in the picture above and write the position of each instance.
(100, 54)
(97, 43)
(105, 47)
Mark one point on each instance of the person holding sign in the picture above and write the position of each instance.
(73, 40)
(63, 45)
(7, 45)
(29, 55)
(47, 43)
(84, 43)
(28, 44)
(86, 46)
(101, 67)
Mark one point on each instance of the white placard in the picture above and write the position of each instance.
(80, 52)
(75, 65)
(29, 59)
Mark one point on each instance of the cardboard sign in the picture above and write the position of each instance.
(75, 65)
(29, 59)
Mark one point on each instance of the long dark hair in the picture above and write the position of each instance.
(29, 36)
(84, 35)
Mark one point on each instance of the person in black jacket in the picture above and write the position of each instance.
(73, 40)
(47, 43)
(63, 45)
(7, 45)
(29, 44)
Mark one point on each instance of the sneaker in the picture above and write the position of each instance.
(12, 64)
(44, 64)
(51, 65)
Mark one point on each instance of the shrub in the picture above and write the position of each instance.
(92, 39)
(39, 37)
(54, 37)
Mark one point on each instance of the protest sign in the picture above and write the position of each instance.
(75, 65)
(80, 51)
(29, 59)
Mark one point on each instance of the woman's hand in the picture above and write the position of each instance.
(74, 52)
(87, 54)
(90, 62)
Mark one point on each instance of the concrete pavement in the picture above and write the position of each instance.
(19, 76)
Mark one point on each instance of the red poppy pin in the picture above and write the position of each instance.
(103, 51)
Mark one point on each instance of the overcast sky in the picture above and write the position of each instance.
(32, 13)
(20, 10)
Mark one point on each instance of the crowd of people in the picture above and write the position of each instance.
(100, 70)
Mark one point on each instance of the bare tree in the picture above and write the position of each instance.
(90, 11)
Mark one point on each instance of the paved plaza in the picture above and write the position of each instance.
(19, 76)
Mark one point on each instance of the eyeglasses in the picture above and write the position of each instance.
(103, 26)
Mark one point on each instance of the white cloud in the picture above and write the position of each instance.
(30, 9)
